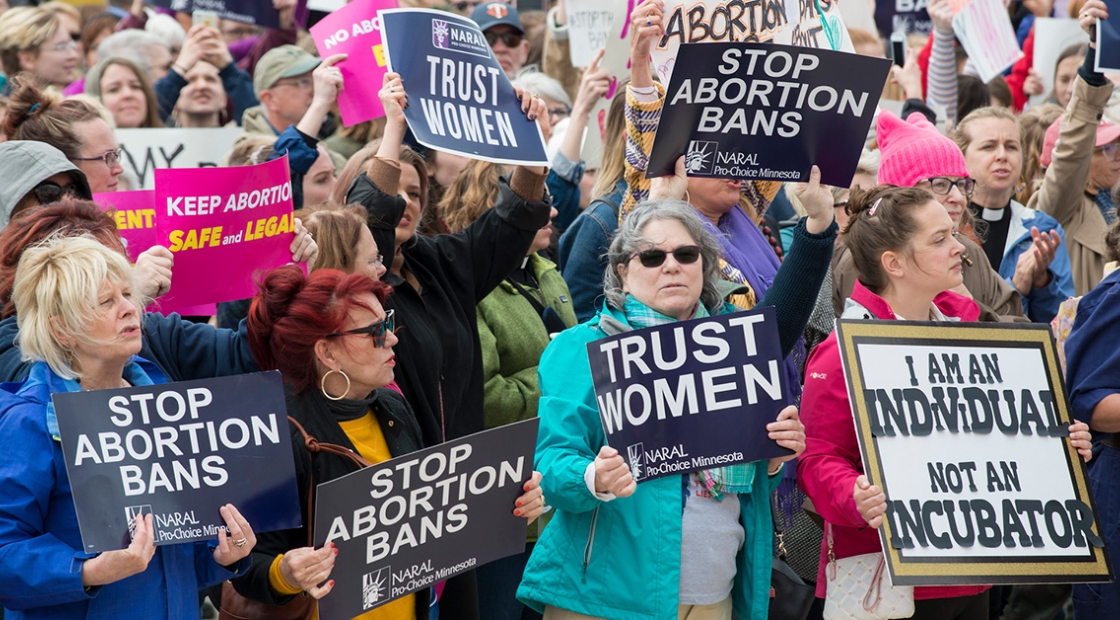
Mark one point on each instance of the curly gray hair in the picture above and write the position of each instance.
(629, 240)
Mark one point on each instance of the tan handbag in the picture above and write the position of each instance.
(302, 607)
(859, 589)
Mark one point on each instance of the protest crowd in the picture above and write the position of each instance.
(483, 224)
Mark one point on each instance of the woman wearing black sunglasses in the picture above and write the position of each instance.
(616, 549)
(331, 337)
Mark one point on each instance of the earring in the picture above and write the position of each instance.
(323, 385)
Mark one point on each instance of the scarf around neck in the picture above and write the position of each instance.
(719, 480)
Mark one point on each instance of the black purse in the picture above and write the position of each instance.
(790, 597)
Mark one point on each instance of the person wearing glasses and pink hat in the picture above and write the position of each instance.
(1081, 155)
(915, 154)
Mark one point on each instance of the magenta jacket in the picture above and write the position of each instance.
(828, 468)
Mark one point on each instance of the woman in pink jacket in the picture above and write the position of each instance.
(902, 244)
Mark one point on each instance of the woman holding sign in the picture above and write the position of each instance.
(902, 243)
(331, 337)
(80, 320)
(695, 545)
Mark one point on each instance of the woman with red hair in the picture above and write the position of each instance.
(330, 336)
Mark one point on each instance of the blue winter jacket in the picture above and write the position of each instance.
(41, 553)
(620, 559)
(1041, 304)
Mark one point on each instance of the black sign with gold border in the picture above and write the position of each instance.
(931, 439)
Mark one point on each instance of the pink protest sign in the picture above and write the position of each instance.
(223, 225)
(355, 29)
(135, 214)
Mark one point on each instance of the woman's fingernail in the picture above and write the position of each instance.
(532, 117)
(332, 583)
(517, 503)
(336, 551)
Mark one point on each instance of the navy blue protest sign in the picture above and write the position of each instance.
(757, 111)
(692, 394)
(179, 451)
(1108, 43)
(459, 99)
(256, 12)
(905, 16)
(404, 524)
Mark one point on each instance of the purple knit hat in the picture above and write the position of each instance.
(913, 151)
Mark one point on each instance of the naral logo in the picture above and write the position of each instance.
(130, 514)
(375, 587)
(700, 156)
(440, 34)
(635, 453)
(451, 36)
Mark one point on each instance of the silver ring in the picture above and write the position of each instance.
(240, 542)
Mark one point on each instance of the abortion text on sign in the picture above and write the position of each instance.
(402, 525)
(767, 112)
(965, 430)
(178, 451)
(692, 394)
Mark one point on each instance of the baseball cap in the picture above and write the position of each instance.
(493, 14)
(282, 62)
(1106, 132)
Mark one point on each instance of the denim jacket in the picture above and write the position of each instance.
(583, 251)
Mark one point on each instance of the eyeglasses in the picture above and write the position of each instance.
(49, 191)
(111, 158)
(377, 262)
(511, 39)
(64, 47)
(377, 330)
(944, 185)
(303, 83)
(1111, 151)
(464, 7)
(560, 113)
(685, 255)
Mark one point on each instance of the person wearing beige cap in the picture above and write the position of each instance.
(285, 88)
(1082, 159)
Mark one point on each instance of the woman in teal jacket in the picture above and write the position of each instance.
(622, 551)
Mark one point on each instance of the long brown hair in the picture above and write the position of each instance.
(471, 193)
(93, 87)
(613, 163)
(881, 220)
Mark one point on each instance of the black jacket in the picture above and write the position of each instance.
(319, 416)
(439, 357)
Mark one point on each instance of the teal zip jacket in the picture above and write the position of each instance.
(620, 559)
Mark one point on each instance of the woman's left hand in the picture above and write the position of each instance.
(531, 504)
(304, 248)
(240, 540)
(673, 187)
(789, 432)
(1045, 248)
(818, 203)
(536, 110)
(1082, 439)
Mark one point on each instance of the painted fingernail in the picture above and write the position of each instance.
(532, 117)
(332, 583)
(517, 503)
(517, 513)
(336, 551)
(526, 486)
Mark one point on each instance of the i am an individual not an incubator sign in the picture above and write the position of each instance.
(965, 429)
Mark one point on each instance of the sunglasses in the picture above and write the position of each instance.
(944, 185)
(685, 255)
(49, 191)
(377, 330)
(511, 39)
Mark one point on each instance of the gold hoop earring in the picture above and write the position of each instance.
(323, 385)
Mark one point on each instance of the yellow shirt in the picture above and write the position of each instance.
(365, 433)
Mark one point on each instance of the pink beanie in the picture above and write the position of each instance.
(913, 151)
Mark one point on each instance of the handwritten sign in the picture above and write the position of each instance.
(984, 29)
(965, 428)
(145, 150)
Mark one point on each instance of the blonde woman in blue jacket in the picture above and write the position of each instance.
(623, 551)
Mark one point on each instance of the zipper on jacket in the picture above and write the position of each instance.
(590, 543)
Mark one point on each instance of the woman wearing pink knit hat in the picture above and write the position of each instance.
(915, 154)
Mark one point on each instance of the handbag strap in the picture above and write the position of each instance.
(874, 592)
(313, 446)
